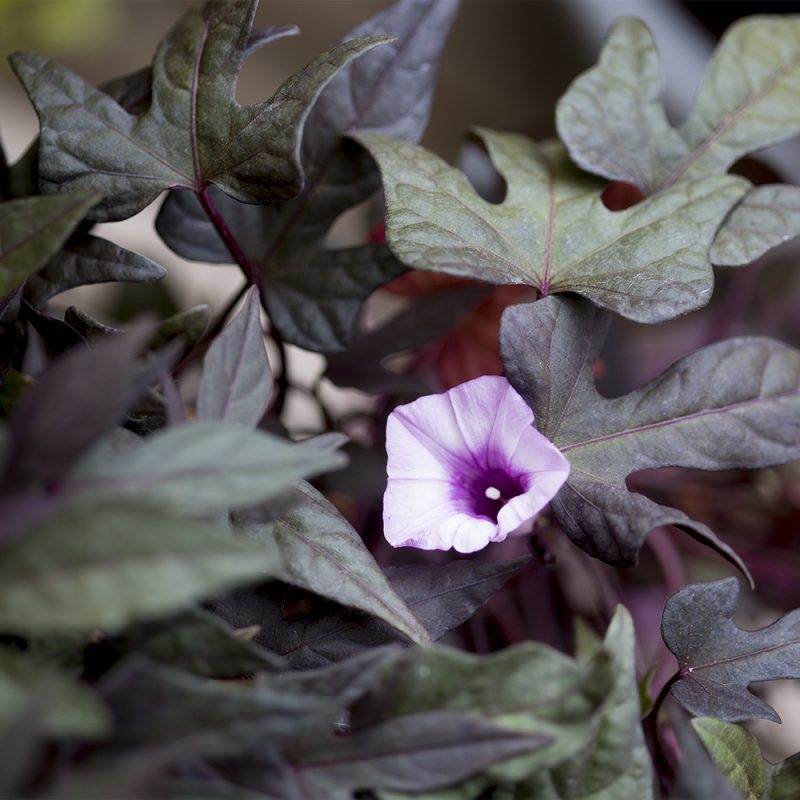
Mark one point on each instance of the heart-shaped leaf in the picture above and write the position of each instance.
(736, 752)
(33, 229)
(319, 551)
(313, 293)
(614, 125)
(236, 380)
(718, 660)
(552, 231)
(731, 405)
(192, 134)
(109, 564)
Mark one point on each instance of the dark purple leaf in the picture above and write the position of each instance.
(718, 660)
(192, 133)
(425, 320)
(735, 404)
(78, 399)
(85, 260)
(314, 295)
(236, 380)
(57, 335)
(310, 633)
(414, 753)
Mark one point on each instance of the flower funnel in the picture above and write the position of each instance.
(466, 468)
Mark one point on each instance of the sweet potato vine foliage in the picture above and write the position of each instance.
(198, 598)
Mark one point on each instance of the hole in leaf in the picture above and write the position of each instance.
(619, 195)
(474, 162)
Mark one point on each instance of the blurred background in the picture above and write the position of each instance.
(505, 67)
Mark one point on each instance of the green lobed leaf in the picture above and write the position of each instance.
(33, 229)
(106, 565)
(314, 294)
(748, 97)
(200, 467)
(193, 132)
(717, 660)
(611, 118)
(236, 381)
(318, 550)
(768, 216)
(613, 123)
(648, 263)
(85, 260)
(731, 405)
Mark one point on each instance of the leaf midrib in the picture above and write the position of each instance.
(689, 671)
(677, 420)
(330, 557)
(751, 99)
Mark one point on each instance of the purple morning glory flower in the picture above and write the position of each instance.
(466, 468)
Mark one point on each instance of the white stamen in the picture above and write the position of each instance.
(492, 492)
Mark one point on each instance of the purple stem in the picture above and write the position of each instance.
(253, 277)
(661, 760)
(226, 234)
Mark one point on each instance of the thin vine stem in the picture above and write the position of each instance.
(663, 763)
(200, 349)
